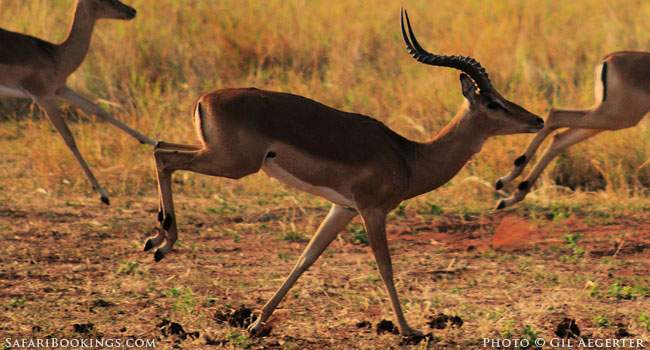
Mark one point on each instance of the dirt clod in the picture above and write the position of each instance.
(441, 321)
(83, 327)
(169, 328)
(567, 328)
(621, 331)
(416, 339)
(386, 326)
(241, 317)
(364, 324)
(102, 303)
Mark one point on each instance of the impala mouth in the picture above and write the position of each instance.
(539, 125)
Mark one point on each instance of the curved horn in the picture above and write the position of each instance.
(464, 63)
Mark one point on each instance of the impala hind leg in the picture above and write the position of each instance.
(53, 113)
(199, 161)
(336, 220)
(375, 222)
(93, 109)
(561, 142)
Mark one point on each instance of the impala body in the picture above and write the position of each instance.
(36, 69)
(354, 161)
(622, 89)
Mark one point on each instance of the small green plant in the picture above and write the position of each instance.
(577, 252)
(431, 209)
(293, 236)
(17, 302)
(506, 330)
(621, 291)
(184, 299)
(529, 333)
(359, 234)
(172, 292)
(601, 321)
(644, 320)
(127, 267)
(239, 340)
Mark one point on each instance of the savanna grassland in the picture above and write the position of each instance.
(578, 247)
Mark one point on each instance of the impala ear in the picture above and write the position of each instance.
(468, 87)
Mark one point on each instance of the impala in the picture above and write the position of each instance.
(354, 161)
(622, 99)
(36, 69)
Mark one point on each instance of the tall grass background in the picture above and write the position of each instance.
(347, 54)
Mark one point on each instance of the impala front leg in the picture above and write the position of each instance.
(53, 113)
(375, 222)
(336, 220)
(561, 142)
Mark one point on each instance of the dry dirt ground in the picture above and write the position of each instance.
(73, 268)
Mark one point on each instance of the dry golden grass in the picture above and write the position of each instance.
(346, 54)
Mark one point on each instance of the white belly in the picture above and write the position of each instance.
(272, 169)
(12, 92)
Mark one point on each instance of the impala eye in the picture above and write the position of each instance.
(494, 105)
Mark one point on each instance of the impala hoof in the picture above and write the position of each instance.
(160, 216)
(148, 245)
(499, 185)
(260, 330)
(105, 200)
(501, 205)
(158, 255)
(520, 160)
(523, 186)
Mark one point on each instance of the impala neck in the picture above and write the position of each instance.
(73, 50)
(436, 162)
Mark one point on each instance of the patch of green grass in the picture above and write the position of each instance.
(359, 234)
(240, 340)
(644, 320)
(577, 252)
(623, 292)
(293, 236)
(601, 321)
(431, 209)
(127, 267)
(507, 329)
(184, 299)
(15, 303)
(530, 333)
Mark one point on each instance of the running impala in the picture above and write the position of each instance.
(36, 69)
(622, 99)
(356, 162)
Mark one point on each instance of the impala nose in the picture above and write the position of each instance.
(539, 122)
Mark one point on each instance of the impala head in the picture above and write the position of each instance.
(112, 9)
(496, 114)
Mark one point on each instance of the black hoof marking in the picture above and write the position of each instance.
(523, 186)
(520, 160)
(502, 204)
(142, 142)
(105, 200)
(167, 221)
(158, 255)
(148, 245)
(160, 216)
(499, 185)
